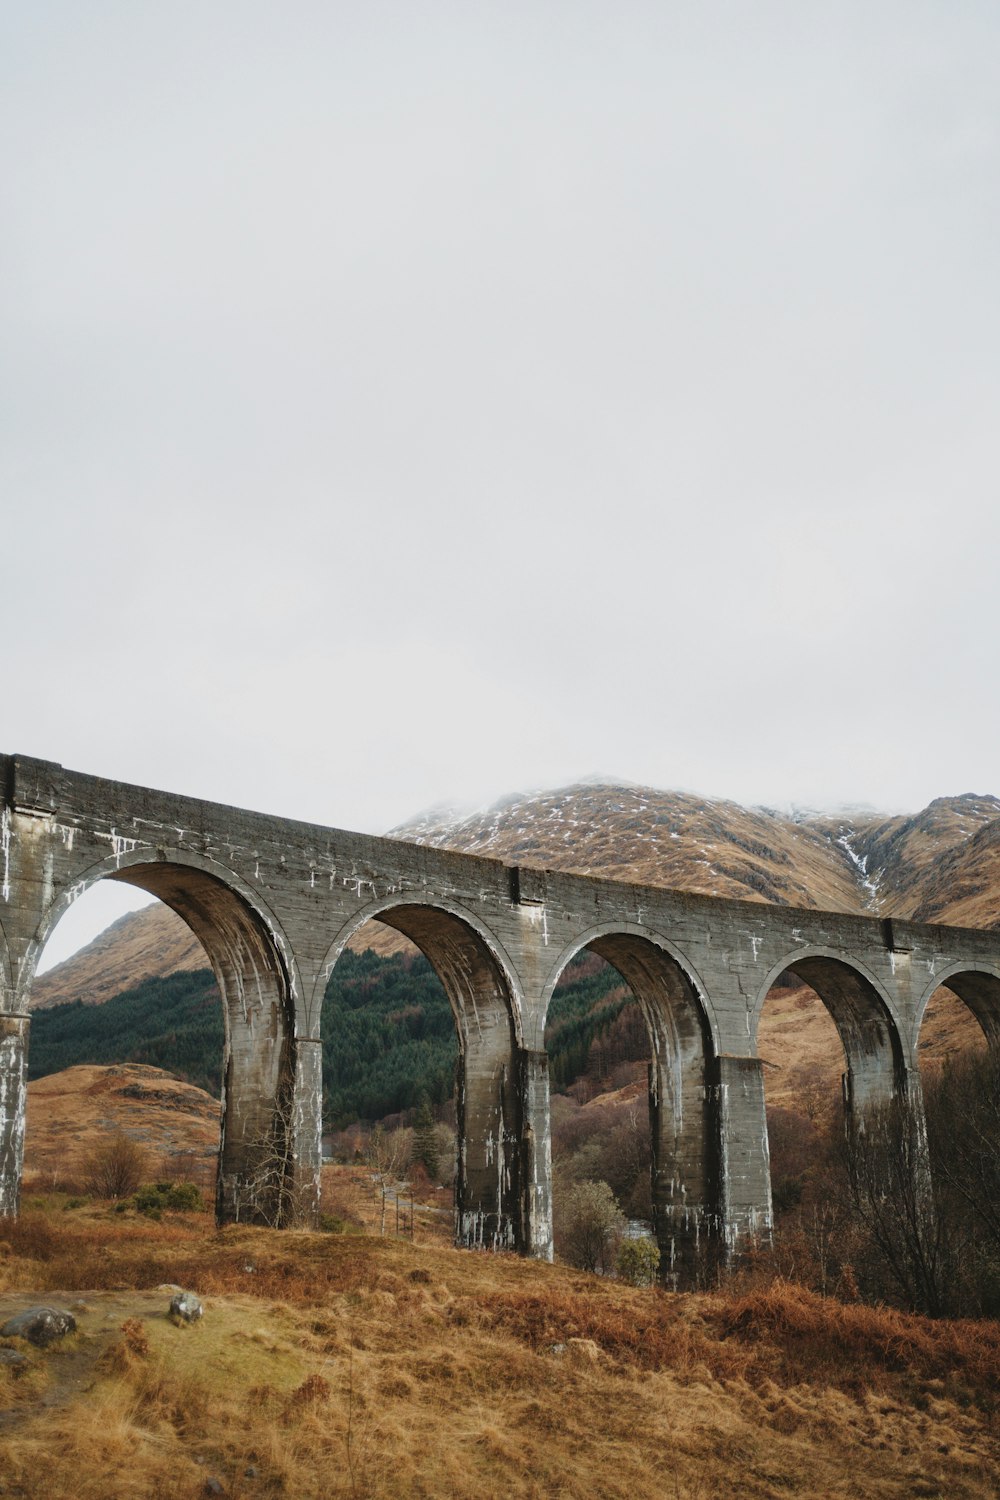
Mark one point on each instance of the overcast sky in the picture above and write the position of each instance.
(412, 403)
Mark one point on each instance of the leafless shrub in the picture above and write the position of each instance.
(116, 1168)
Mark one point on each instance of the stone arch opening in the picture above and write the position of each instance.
(830, 1051)
(681, 1094)
(872, 1048)
(959, 1015)
(267, 1163)
(804, 1067)
(958, 1052)
(491, 1170)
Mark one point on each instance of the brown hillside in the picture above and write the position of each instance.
(942, 864)
(72, 1112)
(671, 839)
(963, 888)
(150, 944)
(146, 944)
(929, 865)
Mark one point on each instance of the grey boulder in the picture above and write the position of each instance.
(185, 1307)
(41, 1326)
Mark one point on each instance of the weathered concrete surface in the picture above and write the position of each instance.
(274, 902)
(13, 1102)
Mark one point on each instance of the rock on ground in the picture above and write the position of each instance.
(41, 1326)
(186, 1307)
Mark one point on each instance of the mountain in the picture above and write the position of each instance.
(142, 945)
(927, 866)
(941, 864)
(151, 944)
(637, 833)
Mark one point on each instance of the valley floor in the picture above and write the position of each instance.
(351, 1365)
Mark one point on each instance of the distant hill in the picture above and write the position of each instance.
(152, 944)
(174, 1022)
(941, 864)
(387, 1026)
(146, 944)
(71, 1112)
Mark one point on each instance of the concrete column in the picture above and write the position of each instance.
(488, 1208)
(259, 1098)
(744, 1162)
(305, 1143)
(684, 1172)
(536, 1155)
(918, 1156)
(912, 1091)
(13, 1099)
(869, 1081)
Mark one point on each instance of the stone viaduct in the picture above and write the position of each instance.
(274, 902)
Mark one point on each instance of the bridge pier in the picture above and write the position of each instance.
(13, 1098)
(746, 1216)
(888, 1152)
(684, 1114)
(489, 1125)
(503, 1189)
(270, 1147)
(303, 1183)
(536, 1160)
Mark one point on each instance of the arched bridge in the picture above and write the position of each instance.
(274, 902)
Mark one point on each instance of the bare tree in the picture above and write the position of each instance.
(963, 1124)
(963, 1121)
(386, 1157)
(262, 1189)
(891, 1186)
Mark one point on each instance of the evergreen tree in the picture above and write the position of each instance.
(425, 1146)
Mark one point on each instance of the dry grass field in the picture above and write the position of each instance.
(349, 1365)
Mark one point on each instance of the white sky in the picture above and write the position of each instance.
(405, 403)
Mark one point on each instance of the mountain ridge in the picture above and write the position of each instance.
(839, 861)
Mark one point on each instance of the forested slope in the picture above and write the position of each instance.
(388, 1031)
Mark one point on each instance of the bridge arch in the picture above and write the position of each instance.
(850, 1030)
(153, 872)
(625, 937)
(492, 1170)
(977, 985)
(269, 1149)
(863, 1014)
(683, 1087)
(456, 934)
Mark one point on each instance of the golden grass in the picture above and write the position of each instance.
(344, 1365)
